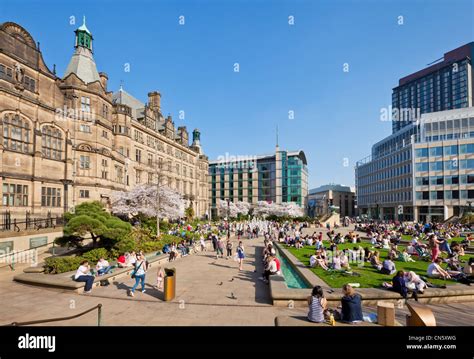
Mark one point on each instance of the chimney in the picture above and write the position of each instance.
(103, 79)
(154, 101)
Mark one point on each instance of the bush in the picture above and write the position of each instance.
(125, 245)
(56, 265)
(94, 255)
(169, 238)
(151, 246)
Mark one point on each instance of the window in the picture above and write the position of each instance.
(138, 155)
(85, 128)
(16, 133)
(119, 174)
(85, 162)
(15, 195)
(437, 180)
(104, 162)
(105, 111)
(105, 134)
(50, 197)
(29, 83)
(104, 175)
(422, 181)
(467, 164)
(467, 179)
(450, 150)
(467, 148)
(51, 142)
(436, 151)
(437, 166)
(421, 152)
(421, 167)
(84, 193)
(150, 159)
(138, 176)
(150, 178)
(6, 73)
(85, 104)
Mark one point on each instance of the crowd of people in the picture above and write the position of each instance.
(429, 242)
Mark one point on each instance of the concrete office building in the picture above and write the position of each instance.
(321, 199)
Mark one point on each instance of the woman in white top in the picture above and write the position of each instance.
(270, 269)
(83, 275)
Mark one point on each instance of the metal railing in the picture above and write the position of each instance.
(7, 223)
(99, 318)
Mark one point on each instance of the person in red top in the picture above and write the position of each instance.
(121, 261)
(278, 265)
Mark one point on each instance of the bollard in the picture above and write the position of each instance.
(99, 315)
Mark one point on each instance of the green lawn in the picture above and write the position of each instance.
(369, 276)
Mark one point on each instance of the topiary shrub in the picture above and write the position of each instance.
(56, 265)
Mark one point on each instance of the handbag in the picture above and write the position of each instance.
(135, 270)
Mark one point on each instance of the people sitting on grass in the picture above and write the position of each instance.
(414, 282)
(351, 305)
(336, 261)
(375, 260)
(457, 249)
(318, 259)
(103, 267)
(468, 269)
(399, 285)
(453, 264)
(435, 271)
(317, 305)
(393, 252)
(344, 260)
(404, 256)
(388, 267)
(83, 274)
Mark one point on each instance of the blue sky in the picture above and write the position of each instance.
(283, 68)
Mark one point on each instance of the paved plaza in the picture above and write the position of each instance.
(209, 292)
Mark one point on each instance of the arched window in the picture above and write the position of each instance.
(52, 142)
(16, 133)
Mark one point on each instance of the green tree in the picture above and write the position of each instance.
(91, 219)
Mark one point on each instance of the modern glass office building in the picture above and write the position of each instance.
(279, 177)
(385, 180)
(445, 85)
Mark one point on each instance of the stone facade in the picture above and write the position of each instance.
(69, 140)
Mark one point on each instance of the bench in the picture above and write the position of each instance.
(65, 281)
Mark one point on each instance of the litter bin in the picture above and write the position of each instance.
(170, 284)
